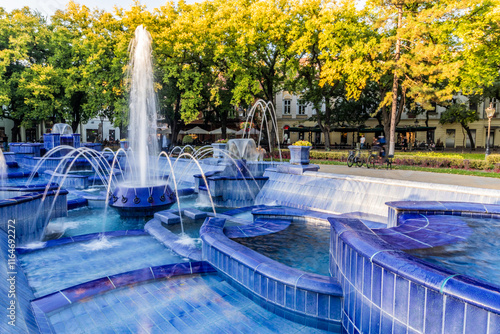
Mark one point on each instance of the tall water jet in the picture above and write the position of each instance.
(143, 192)
(142, 107)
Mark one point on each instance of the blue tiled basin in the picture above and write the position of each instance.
(132, 200)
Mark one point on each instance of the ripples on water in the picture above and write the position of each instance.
(302, 246)
(478, 256)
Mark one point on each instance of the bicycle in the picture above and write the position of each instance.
(355, 158)
(375, 158)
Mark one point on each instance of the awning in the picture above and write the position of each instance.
(219, 131)
(197, 131)
(305, 129)
(398, 129)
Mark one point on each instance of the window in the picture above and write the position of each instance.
(450, 138)
(301, 107)
(287, 107)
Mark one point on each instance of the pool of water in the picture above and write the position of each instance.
(94, 220)
(477, 257)
(88, 220)
(56, 268)
(302, 246)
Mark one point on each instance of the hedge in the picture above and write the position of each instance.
(424, 160)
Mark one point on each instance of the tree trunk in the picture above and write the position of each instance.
(75, 122)
(16, 131)
(174, 122)
(469, 133)
(392, 144)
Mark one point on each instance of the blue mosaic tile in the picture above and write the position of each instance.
(271, 290)
(323, 306)
(494, 323)
(388, 292)
(357, 309)
(401, 299)
(88, 289)
(300, 300)
(367, 278)
(51, 302)
(289, 297)
(365, 317)
(375, 319)
(476, 320)
(454, 316)
(131, 277)
(335, 308)
(311, 303)
(434, 312)
(377, 285)
(417, 306)
(386, 323)
(280, 293)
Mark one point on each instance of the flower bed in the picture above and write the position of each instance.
(431, 159)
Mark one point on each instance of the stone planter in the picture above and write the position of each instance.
(218, 147)
(124, 144)
(299, 155)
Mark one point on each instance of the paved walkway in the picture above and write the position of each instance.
(462, 180)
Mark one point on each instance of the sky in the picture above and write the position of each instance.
(48, 7)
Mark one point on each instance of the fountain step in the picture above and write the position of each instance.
(195, 213)
(167, 217)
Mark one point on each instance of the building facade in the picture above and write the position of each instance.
(293, 122)
(90, 131)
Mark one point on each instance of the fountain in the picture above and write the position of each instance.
(143, 192)
(241, 179)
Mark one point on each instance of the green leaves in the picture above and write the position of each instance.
(214, 55)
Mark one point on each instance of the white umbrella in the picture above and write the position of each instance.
(252, 131)
(197, 131)
(219, 131)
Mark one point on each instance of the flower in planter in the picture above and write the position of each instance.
(302, 143)
(221, 141)
(246, 125)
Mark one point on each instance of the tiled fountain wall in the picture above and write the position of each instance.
(19, 294)
(343, 193)
(389, 291)
(30, 211)
(296, 295)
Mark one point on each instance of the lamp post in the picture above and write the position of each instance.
(490, 111)
(101, 117)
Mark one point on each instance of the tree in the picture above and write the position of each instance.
(23, 45)
(331, 62)
(421, 53)
(460, 113)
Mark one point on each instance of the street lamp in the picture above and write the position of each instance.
(101, 127)
(490, 111)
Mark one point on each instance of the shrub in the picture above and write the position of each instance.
(438, 155)
(493, 158)
(187, 140)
